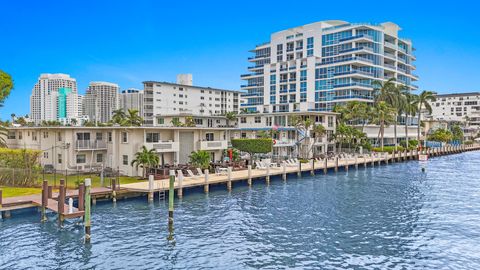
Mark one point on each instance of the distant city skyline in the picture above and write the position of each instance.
(126, 45)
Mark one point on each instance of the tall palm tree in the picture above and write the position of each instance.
(145, 159)
(384, 91)
(397, 102)
(409, 109)
(73, 121)
(132, 119)
(383, 115)
(230, 116)
(424, 100)
(118, 116)
(318, 132)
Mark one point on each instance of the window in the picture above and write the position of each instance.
(11, 135)
(109, 136)
(59, 136)
(45, 135)
(160, 121)
(243, 120)
(125, 160)
(99, 158)
(152, 137)
(45, 154)
(83, 136)
(209, 137)
(124, 137)
(81, 158)
(20, 135)
(258, 119)
(59, 158)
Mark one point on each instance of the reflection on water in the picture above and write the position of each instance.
(387, 217)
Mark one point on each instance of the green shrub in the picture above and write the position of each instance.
(19, 167)
(388, 149)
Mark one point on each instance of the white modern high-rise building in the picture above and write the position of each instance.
(45, 93)
(132, 99)
(164, 98)
(315, 66)
(101, 99)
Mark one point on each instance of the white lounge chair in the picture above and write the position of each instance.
(260, 165)
(190, 173)
(199, 172)
(290, 163)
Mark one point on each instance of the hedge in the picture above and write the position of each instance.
(253, 146)
(19, 167)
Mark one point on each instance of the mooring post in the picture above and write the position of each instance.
(249, 179)
(336, 163)
(205, 186)
(312, 167)
(88, 202)
(1, 215)
(346, 164)
(299, 173)
(267, 175)
(284, 171)
(81, 197)
(385, 158)
(49, 192)
(180, 186)
(393, 156)
(45, 190)
(365, 161)
(171, 190)
(356, 162)
(61, 202)
(113, 183)
(229, 178)
(150, 188)
(325, 167)
(372, 160)
(70, 205)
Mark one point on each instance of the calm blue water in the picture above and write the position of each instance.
(386, 217)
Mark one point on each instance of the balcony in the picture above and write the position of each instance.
(90, 145)
(284, 143)
(163, 146)
(212, 145)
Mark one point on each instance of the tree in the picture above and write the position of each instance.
(398, 101)
(409, 109)
(253, 146)
(384, 91)
(441, 135)
(132, 119)
(200, 159)
(383, 115)
(145, 159)
(424, 100)
(118, 116)
(457, 133)
(189, 122)
(6, 86)
(88, 123)
(73, 121)
(176, 122)
(230, 116)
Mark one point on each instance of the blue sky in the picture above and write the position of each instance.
(127, 42)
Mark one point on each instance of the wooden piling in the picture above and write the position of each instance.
(81, 197)
(385, 158)
(45, 193)
(229, 178)
(150, 188)
(249, 179)
(312, 167)
(299, 173)
(180, 186)
(171, 190)
(284, 171)
(356, 162)
(393, 156)
(61, 202)
(364, 161)
(267, 174)
(49, 192)
(205, 186)
(372, 160)
(325, 167)
(87, 217)
(336, 163)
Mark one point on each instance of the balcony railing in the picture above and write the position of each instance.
(212, 145)
(89, 145)
(163, 146)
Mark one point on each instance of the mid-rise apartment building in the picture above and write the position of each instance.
(101, 99)
(316, 66)
(132, 99)
(164, 98)
(44, 101)
(457, 107)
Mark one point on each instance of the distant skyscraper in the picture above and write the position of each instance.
(132, 99)
(101, 100)
(316, 66)
(44, 98)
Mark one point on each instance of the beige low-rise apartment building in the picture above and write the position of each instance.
(91, 148)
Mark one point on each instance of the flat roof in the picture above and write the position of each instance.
(459, 94)
(120, 128)
(289, 113)
(194, 86)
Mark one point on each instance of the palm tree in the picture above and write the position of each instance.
(398, 101)
(383, 115)
(132, 119)
(318, 132)
(73, 121)
(200, 159)
(384, 91)
(230, 116)
(118, 116)
(145, 159)
(423, 101)
(189, 122)
(409, 109)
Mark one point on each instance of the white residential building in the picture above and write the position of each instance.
(44, 98)
(101, 99)
(163, 98)
(132, 99)
(456, 107)
(316, 66)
